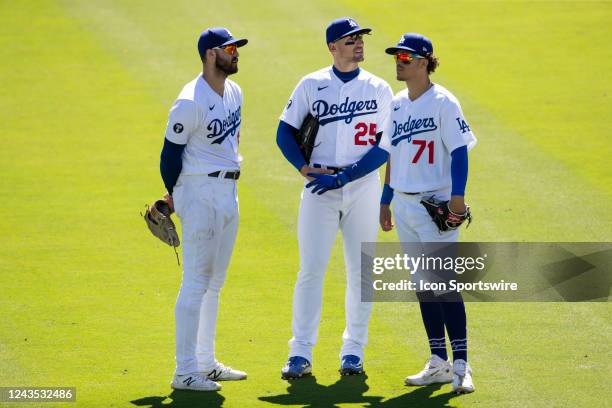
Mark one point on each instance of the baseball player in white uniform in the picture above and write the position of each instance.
(200, 167)
(428, 139)
(351, 105)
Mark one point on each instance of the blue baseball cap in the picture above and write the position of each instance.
(413, 42)
(217, 37)
(343, 27)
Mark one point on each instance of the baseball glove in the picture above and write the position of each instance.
(307, 135)
(443, 217)
(157, 218)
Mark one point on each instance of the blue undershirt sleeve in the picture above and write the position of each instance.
(288, 145)
(171, 163)
(372, 160)
(459, 170)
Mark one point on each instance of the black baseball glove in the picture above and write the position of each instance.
(443, 217)
(306, 136)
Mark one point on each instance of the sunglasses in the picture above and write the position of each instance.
(230, 49)
(406, 57)
(353, 39)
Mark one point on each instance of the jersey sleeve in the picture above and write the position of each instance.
(182, 121)
(297, 107)
(455, 130)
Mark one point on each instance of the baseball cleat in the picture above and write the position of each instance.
(296, 367)
(225, 373)
(436, 371)
(351, 365)
(194, 382)
(462, 377)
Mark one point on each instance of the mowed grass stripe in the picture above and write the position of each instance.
(70, 287)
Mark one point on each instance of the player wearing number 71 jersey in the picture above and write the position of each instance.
(428, 139)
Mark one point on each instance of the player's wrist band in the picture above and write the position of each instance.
(387, 195)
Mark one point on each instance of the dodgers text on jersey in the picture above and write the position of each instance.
(411, 127)
(221, 129)
(347, 110)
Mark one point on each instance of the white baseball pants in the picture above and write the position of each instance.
(414, 224)
(354, 210)
(208, 210)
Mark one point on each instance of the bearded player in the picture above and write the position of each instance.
(200, 167)
(351, 105)
(428, 140)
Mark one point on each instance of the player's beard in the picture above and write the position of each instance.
(227, 67)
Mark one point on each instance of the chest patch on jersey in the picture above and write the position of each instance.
(405, 130)
(346, 111)
(220, 129)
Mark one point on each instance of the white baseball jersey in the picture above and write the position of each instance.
(208, 124)
(420, 136)
(350, 114)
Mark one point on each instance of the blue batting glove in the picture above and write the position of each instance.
(326, 182)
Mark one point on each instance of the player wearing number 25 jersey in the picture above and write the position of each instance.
(351, 106)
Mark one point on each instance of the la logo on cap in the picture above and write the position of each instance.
(352, 22)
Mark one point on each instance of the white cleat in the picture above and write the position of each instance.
(462, 377)
(225, 373)
(436, 371)
(194, 382)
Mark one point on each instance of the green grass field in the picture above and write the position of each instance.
(87, 295)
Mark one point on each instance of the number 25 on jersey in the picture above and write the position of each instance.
(363, 130)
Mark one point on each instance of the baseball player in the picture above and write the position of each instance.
(428, 139)
(200, 167)
(351, 105)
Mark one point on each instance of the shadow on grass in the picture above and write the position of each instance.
(308, 393)
(180, 399)
(349, 390)
(418, 397)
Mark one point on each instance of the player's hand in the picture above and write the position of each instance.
(306, 169)
(457, 205)
(169, 200)
(386, 222)
(326, 182)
